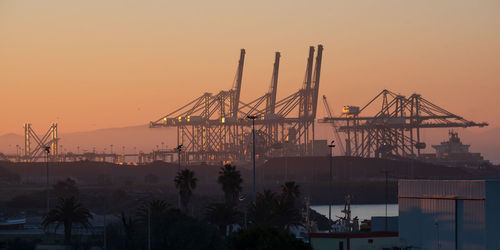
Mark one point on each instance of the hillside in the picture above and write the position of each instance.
(363, 178)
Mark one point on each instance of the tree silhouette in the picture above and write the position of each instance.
(279, 211)
(263, 211)
(230, 180)
(222, 215)
(130, 228)
(290, 191)
(68, 211)
(66, 189)
(185, 182)
(154, 208)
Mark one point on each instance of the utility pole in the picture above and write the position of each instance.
(386, 173)
(253, 117)
(149, 227)
(104, 222)
(179, 149)
(47, 150)
(330, 186)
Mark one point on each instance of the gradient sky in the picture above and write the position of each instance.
(98, 64)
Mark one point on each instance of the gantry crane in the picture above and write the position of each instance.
(209, 133)
(395, 129)
(49, 139)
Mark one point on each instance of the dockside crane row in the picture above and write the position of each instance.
(209, 133)
(395, 130)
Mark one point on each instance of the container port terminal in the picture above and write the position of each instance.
(214, 128)
(381, 151)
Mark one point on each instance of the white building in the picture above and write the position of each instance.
(449, 214)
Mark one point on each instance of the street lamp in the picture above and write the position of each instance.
(242, 199)
(436, 224)
(149, 227)
(386, 173)
(47, 150)
(253, 117)
(179, 149)
(331, 146)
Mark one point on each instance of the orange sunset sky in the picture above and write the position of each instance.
(98, 64)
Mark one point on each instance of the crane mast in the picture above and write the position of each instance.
(235, 100)
(317, 72)
(271, 98)
(306, 96)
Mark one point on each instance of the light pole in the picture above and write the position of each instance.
(104, 222)
(331, 146)
(286, 160)
(436, 224)
(149, 227)
(47, 150)
(253, 117)
(386, 173)
(242, 199)
(179, 149)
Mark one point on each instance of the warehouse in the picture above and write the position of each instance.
(449, 214)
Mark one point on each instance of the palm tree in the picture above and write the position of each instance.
(231, 180)
(222, 215)
(66, 189)
(279, 211)
(68, 211)
(185, 182)
(129, 228)
(290, 191)
(286, 214)
(263, 211)
(152, 208)
(287, 210)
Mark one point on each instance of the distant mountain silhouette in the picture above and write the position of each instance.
(487, 143)
(141, 137)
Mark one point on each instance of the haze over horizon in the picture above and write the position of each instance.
(93, 64)
(115, 64)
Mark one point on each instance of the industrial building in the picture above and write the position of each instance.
(449, 214)
(353, 241)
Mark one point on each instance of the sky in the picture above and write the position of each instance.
(98, 64)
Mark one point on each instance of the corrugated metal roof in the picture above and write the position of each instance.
(464, 189)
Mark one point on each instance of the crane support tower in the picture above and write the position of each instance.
(49, 139)
(394, 131)
(214, 127)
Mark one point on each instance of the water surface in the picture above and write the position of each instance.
(365, 211)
